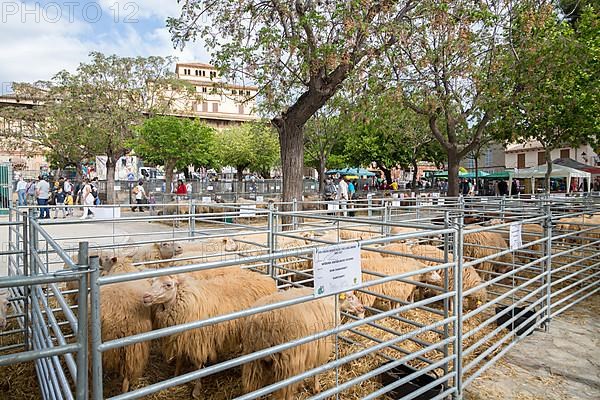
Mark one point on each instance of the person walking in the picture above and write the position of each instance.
(343, 185)
(42, 193)
(140, 195)
(22, 191)
(87, 199)
(59, 198)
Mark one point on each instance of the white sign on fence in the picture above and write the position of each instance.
(441, 201)
(484, 199)
(396, 203)
(209, 188)
(260, 199)
(248, 210)
(336, 268)
(516, 240)
(206, 199)
(277, 187)
(117, 187)
(332, 206)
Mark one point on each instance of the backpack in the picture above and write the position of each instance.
(94, 191)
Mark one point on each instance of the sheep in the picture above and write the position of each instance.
(530, 233)
(397, 248)
(471, 278)
(123, 314)
(4, 294)
(361, 233)
(402, 291)
(483, 244)
(283, 325)
(181, 299)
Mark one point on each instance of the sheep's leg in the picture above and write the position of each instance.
(197, 392)
(178, 365)
(317, 386)
(125, 385)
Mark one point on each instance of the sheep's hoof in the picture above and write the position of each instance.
(197, 392)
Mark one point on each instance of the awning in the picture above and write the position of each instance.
(558, 171)
(350, 171)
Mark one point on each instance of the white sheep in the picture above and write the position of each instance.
(182, 299)
(483, 244)
(4, 295)
(283, 325)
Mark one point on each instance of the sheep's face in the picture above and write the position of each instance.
(3, 308)
(351, 304)
(163, 290)
(230, 244)
(107, 263)
(433, 278)
(169, 249)
(308, 236)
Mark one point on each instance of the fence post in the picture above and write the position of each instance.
(548, 265)
(294, 216)
(446, 287)
(192, 218)
(25, 247)
(370, 204)
(385, 217)
(95, 329)
(458, 304)
(82, 322)
(271, 237)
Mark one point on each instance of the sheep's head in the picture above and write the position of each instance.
(230, 244)
(163, 290)
(3, 308)
(475, 300)
(308, 236)
(107, 263)
(350, 303)
(432, 277)
(169, 249)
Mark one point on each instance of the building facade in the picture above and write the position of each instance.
(491, 159)
(532, 154)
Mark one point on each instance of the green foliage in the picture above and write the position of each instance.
(175, 142)
(250, 145)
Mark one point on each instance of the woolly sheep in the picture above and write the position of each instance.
(181, 299)
(402, 291)
(360, 233)
(530, 233)
(124, 314)
(4, 294)
(483, 244)
(471, 278)
(283, 325)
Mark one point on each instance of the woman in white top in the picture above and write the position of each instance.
(140, 195)
(87, 198)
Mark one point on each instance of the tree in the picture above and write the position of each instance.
(552, 78)
(445, 69)
(250, 145)
(321, 136)
(299, 53)
(175, 143)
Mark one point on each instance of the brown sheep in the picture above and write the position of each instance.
(124, 314)
(471, 278)
(483, 244)
(529, 233)
(397, 248)
(279, 326)
(402, 291)
(181, 299)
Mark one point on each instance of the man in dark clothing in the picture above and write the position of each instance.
(503, 188)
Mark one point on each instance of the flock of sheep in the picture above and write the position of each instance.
(139, 306)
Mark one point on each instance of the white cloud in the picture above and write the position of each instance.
(33, 50)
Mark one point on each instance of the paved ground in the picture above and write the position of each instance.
(563, 364)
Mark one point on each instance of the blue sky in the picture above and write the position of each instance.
(40, 38)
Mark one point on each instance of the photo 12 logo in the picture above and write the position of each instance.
(53, 12)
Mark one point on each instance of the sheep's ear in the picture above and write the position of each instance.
(114, 259)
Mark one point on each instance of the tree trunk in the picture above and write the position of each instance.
(386, 172)
(453, 162)
(169, 168)
(291, 141)
(321, 173)
(548, 171)
(476, 175)
(415, 166)
(110, 181)
(240, 172)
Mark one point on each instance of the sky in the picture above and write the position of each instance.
(40, 38)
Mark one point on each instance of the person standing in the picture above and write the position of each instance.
(351, 190)
(188, 189)
(42, 193)
(59, 198)
(22, 191)
(343, 192)
(140, 195)
(181, 190)
(30, 190)
(87, 199)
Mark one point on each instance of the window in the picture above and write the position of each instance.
(489, 157)
(241, 109)
(247, 93)
(204, 107)
(213, 74)
(470, 163)
(565, 153)
(521, 160)
(541, 157)
(233, 91)
(194, 106)
(204, 89)
(203, 73)
(215, 107)
(197, 72)
(187, 71)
